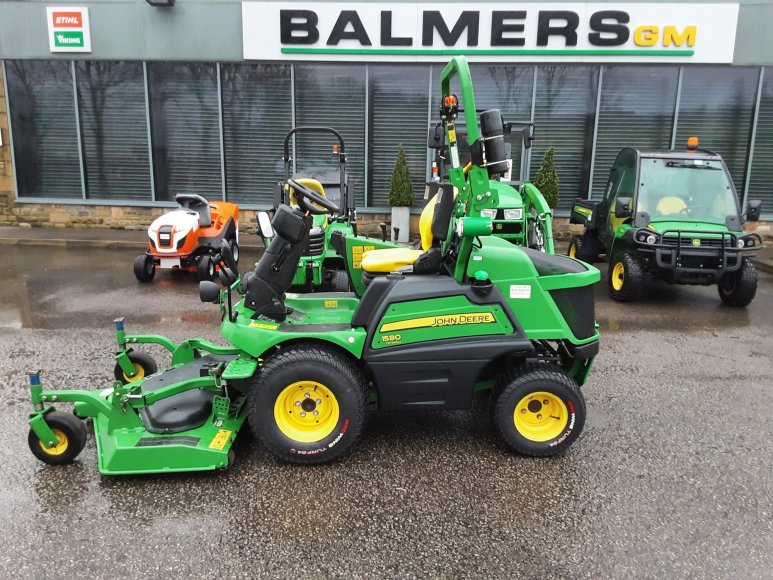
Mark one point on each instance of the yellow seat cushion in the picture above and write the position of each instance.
(670, 206)
(388, 260)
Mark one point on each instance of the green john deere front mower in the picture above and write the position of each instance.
(471, 313)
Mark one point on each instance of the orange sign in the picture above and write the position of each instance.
(67, 19)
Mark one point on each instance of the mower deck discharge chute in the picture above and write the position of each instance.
(470, 312)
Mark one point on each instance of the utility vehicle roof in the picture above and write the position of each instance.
(704, 154)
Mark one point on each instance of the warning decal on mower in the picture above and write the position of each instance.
(219, 440)
(263, 325)
(357, 252)
(522, 291)
(445, 320)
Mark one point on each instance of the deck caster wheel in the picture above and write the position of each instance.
(206, 268)
(307, 404)
(70, 439)
(144, 365)
(144, 268)
(539, 410)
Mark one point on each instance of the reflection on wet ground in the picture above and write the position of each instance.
(670, 478)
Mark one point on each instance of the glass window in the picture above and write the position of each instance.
(717, 105)
(257, 114)
(564, 113)
(622, 176)
(185, 129)
(111, 100)
(332, 96)
(636, 110)
(761, 182)
(398, 115)
(45, 138)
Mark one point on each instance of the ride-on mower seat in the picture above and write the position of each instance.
(186, 410)
(389, 260)
(193, 202)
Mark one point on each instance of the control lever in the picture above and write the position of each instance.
(382, 225)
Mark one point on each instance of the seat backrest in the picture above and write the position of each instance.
(670, 205)
(425, 223)
(435, 218)
(198, 204)
(312, 184)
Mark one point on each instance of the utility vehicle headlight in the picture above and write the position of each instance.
(646, 237)
(513, 214)
(741, 243)
(489, 213)
(651, 239)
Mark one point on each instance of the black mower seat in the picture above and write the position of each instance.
(186, 410)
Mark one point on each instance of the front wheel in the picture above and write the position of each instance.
(738, 288)
(339, 282)
(206, 268)
(144, 268)
(234, 250)
(70, 439)
(626, 277)
(539, 410)
(144, 365)
(308, 404)
(575, 247)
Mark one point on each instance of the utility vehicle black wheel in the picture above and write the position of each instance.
(70, 439)
(738, 288)
(539, 410)
(626, 277)
(308, 405)
(575, 247)
(144, 365)
(340, 281)
(234, 250)
(144, 268)
(206, 269)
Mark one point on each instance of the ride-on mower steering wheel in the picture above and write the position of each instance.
(303, 192)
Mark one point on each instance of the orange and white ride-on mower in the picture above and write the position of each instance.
(186, 238)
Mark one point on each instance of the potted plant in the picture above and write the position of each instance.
(401, 197)
(546, 179)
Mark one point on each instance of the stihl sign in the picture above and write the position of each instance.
(68, 29)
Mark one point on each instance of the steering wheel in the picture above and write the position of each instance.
(302, 192)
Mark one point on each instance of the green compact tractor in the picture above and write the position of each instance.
(320, 267)
(471, 313)
(673, 216)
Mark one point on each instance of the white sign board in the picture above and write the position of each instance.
(491, 32)
(68, 29)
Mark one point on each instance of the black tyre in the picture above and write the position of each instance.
(308, 404)
(340, 281)
(626, 277)
(71, 439)
(575, 247)
(206, 269)
(234, 250)
(144, 268)
(539, 410)
(144, 365)
(738, 288)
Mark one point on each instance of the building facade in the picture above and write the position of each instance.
(113, 107)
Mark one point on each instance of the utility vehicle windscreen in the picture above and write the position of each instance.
(686, 189)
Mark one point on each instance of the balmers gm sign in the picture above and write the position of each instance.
(490, 31)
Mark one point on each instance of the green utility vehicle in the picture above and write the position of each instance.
(672, 216)
(472, 313)
(320, 267)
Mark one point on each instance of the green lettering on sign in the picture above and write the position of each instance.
(68, 38)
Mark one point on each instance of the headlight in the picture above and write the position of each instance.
(513, 214)
(651, 239)
(741, 243)
(489, 213)
(647, 237)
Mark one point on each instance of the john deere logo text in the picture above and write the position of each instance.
(445, 320)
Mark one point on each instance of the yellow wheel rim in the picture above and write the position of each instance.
(140, 374)
(306, 411)
(572, 251)
(618, 276)
(61, 444)
(540, 416)
(727, 288)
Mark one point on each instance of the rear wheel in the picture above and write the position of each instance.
(144, 365)
(539, 410)
(308, 404)
(206, 268)
(738, 288)
(144, 268)
(340, 281)
(626, 277)
(70, 439)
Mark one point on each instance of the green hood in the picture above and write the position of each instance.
(686, 226)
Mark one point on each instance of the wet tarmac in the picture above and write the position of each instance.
(672, 476)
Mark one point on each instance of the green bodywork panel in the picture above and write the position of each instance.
(438, 319)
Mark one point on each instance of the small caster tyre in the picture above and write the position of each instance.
(144, 268)
(539, 410)
(206, 268)
(71, 439)
(144, 364)
(340, 281)
(626, 277)
(308, 404)
(738, 288)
